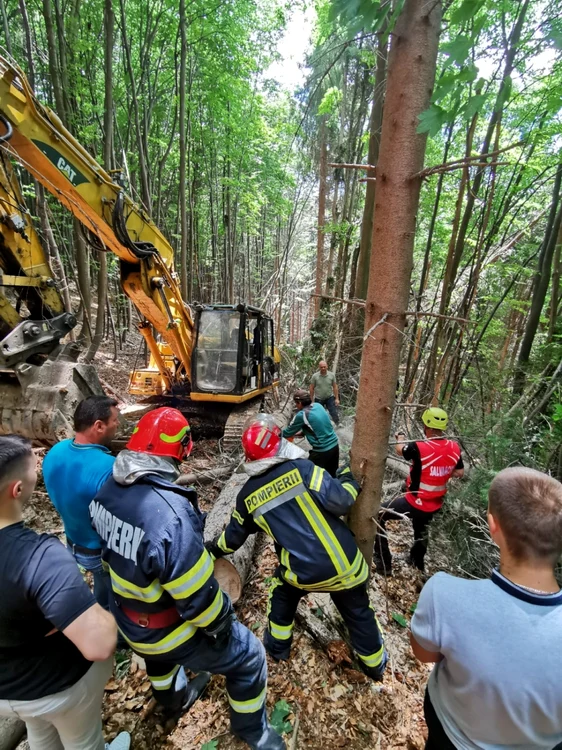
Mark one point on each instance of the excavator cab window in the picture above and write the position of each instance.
(217, 350)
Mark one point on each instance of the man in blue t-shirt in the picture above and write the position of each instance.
(74, 471)
(497, 643)
(313, 421)
(56, 642)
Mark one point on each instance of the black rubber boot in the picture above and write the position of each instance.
(376, 673)
(194, 690)
(269, 740)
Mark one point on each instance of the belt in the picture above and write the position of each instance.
(152, 620)
(82, 550)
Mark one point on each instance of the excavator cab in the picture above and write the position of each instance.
(234, 357)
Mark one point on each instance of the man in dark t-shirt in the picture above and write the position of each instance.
(56, 642)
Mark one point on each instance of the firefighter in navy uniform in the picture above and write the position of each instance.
(298, 504)
(434, 461)
(166, 600)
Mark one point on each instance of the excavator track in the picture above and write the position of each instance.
(235, 424)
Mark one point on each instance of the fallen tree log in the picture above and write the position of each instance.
(12, 731)
(218, 517)
(323, 632)
(206, 477)
(398, 466)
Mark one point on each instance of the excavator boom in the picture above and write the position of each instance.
(46, 149)
(222, 355)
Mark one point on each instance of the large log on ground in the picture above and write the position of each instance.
(11, 732)
(219, 516)
(206, 477)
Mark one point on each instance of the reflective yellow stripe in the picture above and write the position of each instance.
(317, 477)
(164, 681)
(351, 489)
(222, 543)
(373, 660)
(285, 558)
(193, 580)
(174, 438)
(324, 533)
(262, 523)
(176, 638)
(211, 613)
(238, 517)
(281, 632)
(149, 594)
(247, 707)
(274, 583)
(355, 575)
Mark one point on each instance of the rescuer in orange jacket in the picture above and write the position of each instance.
(434, 461)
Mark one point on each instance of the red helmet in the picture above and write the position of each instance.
(261, 437)
(162, 432)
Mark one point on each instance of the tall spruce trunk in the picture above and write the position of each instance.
(411, 76)
(321, 215)
(108, 32)
(363, 262)
(183, 152)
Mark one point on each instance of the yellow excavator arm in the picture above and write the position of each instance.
(38, 140)
(230, 347)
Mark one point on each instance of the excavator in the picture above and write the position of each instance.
(214, 362)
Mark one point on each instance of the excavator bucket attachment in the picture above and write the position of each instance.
(39, 402)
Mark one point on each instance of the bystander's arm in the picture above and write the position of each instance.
(94, 633)
(336, 393)
(423, 654)
(311, 391)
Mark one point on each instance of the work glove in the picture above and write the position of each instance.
(344, 473)
(221, 628)
(214, 550)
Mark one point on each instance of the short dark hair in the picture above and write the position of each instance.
(91, 409)
(302, 396)
(528, 507)
(14, 449)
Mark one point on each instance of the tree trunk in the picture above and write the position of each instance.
(183, 153)
(28, 43)
(541, 283)
(6, 27)
(411, 76)
(108, 32)
(143, 166)
(362, 273)
(54, 68)
(555, 293)
(321, 215)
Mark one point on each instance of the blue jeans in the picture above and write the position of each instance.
(102, 581)
(330, 405)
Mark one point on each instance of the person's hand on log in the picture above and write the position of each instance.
(214, 550)
(221, 628)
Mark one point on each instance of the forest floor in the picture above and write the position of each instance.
(329, 705)
(320, 701)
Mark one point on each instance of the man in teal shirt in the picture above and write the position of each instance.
(74, 471)
(313, 421)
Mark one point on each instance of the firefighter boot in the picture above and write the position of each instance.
(194, 690)
(376, 673)
(269, 740)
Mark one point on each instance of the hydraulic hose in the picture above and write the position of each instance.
(140, 249)
(9, 129)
